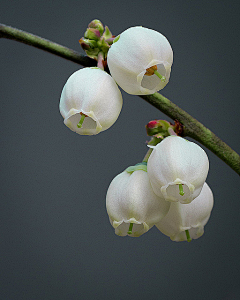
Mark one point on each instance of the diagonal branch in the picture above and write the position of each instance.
(196, 130)
(41, 43)
(192, 127)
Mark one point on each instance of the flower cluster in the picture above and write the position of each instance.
(139, 60)
(169, 192)
(168, 188)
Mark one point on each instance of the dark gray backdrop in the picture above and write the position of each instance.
(56, 240)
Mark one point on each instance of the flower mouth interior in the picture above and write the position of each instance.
(150, 82)
(88, 123)
(173, 192)
(123, 228)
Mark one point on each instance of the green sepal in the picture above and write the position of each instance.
(103, 45)
(116, 39)
(93, 53)
(140, 166)
(107, 33)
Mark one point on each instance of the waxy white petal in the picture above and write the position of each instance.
(177, 161)
(136, 50)
(130, 199)
(94, 93)
(192, 217)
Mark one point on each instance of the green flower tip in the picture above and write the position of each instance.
(188, 236)
(181, 192)
(130, 228)
(162, 78)
(79, 125)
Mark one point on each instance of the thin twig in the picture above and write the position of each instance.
(46, 45)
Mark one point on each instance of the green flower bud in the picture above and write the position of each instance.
(92, 34)
(87, 44)
(97, 25)
(160, 128)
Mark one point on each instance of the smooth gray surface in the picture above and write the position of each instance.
(56, 240)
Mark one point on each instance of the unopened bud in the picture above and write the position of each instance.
(92, 34)
(87, 44)
(97, 25)
(159, 128)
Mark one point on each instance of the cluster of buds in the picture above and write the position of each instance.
(97, 41)
(162, 128)
(168, 191)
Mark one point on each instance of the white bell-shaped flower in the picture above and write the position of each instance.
(177, 169)
(90, 101)
(131, 204)
(140, 60)
(186, 221)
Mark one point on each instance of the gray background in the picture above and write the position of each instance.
(56, 240)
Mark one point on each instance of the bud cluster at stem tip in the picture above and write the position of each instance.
(97, 40)
(162, 128)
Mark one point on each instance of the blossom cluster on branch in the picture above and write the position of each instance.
(168, 188)
(169, 192)
(96, 42)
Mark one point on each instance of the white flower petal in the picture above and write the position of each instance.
(177, 161)
(94, 93)
(192, 217)
(136, 50)
(130, 199)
